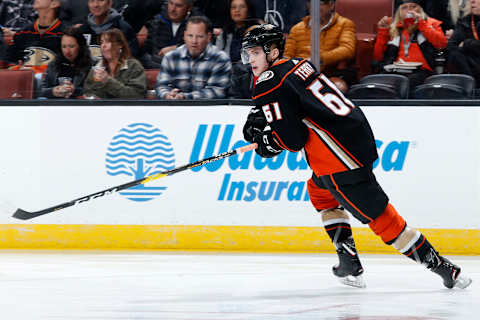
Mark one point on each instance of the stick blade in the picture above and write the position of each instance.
(23, 215)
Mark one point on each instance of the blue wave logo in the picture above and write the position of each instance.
(140, 150)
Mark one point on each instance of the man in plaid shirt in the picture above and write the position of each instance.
(197, 69)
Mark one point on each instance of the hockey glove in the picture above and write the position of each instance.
(255, 124)
(267, 146)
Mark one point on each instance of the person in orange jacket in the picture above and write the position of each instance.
(337, 42)
(412, 37)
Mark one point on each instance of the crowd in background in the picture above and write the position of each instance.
(102, 48)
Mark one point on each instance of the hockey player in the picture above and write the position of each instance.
(296, 108)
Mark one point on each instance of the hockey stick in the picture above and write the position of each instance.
(25, 215)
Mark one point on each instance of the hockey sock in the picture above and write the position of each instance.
(413, 244)
(337, 225)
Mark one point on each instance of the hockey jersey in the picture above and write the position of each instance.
(306, 111)
(35, 49)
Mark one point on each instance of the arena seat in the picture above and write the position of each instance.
(16, 84)
(151, 78)
(380, 86)
(446, 86)
(365, 14)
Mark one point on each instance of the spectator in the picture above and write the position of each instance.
(241, 18)
(411, 37)
(165, 32)
(73, 64)
(16, 15)
(103, 17)
(117, 74)
(337, 42)
(37, 45)
(457, 9)
(464, 45)
(197, 69)
(282, 13)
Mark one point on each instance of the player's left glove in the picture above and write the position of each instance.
(254, 125)
(267, 146)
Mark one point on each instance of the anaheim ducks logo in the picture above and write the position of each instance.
(267, 75)
(38, 56)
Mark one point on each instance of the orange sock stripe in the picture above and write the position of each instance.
(344, 227)
(346, 199)
(421, 244)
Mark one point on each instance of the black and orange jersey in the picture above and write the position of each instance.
(34, 48)
(306, 111)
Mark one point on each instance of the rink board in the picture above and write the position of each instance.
(428, 166)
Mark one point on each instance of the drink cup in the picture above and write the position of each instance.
(64, 82)
(409, 20)
(97, 70)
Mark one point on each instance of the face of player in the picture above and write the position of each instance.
(99, 8)
(196, 38)
(70, 48)
(238, 11)
(257, 60)
(110, 49)
(475, 4)
(177, 10)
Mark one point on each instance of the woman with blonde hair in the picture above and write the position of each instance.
(412, 37)
(117, 74)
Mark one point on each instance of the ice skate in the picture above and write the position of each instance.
(349, 270)
(451, 274)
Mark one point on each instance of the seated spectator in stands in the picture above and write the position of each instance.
(337, 42)
(464, 45)
(37, 45)
(117, 74)
(457, 9)
(282, 13)
(16, 15)
(197, 69)
(103, 17)
(165, 32)
(241, 18)
(412, 36)
(66, 74)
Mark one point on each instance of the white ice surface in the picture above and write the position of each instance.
(158, 285)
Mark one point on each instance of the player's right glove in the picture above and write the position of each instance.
(254, 125)
(267, 146)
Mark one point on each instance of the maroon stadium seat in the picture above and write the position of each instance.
(16, 84)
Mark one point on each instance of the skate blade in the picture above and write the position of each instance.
(462, 282)
(353, 281)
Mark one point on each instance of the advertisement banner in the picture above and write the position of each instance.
(428, 166)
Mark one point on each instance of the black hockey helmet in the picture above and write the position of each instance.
(264, 36)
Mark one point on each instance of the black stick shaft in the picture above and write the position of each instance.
(25, 215)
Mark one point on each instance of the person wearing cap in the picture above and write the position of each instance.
(464, 45)
(337, 42)
(411, 36)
